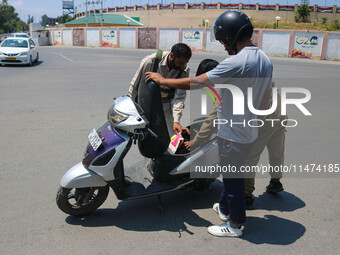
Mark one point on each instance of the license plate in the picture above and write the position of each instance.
(11, 58)
(95, 140)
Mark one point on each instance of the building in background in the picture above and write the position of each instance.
(40, 35)
(52, 21)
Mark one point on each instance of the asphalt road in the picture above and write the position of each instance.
(46, 113)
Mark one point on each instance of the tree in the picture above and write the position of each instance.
(303, 12)
(64, 18)
(30, 19)
(44, 20)
(9, 19)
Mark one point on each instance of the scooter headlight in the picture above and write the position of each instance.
(114, 116)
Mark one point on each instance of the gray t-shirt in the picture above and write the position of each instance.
(249, 68)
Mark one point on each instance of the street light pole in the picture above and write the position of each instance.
(278, 18)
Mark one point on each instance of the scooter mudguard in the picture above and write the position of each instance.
(80, 177)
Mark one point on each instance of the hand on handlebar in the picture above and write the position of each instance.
(156, 77)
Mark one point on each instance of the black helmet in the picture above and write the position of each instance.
(229, 26)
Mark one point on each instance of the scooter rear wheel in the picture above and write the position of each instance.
(81, 201)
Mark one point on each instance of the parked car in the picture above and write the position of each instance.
(4, 36)
(15, 50)
(21, 35)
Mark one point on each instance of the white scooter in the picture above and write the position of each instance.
(86, 185)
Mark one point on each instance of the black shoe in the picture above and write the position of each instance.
(274, 187)
(249, 203)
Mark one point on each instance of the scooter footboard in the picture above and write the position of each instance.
(208, 154)
(80, 177)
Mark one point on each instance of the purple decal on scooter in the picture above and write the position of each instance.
(110, 139)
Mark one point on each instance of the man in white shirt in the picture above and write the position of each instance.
(248, 67)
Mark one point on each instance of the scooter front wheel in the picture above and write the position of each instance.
(81, 201)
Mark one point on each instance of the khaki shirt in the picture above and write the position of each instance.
(163, 69)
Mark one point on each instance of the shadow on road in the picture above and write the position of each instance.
(282, 201)
(143, 215)
(178, 216)
(272, 230)
(33, 65)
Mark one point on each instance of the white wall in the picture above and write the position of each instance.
(57, 37)
(127, 38)
(213, 46)
(67, 37)
(333, 47)
(92, 37)
(109, 37)
(308, 45)
(50, 36)
(276, 43)
(193, 38)
(167, 38)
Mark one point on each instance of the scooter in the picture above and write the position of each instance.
(85, 186)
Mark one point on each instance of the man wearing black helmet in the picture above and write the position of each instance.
(248, 67)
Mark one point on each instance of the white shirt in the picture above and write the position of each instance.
(249, 68)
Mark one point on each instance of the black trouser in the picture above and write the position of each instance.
(232, 200)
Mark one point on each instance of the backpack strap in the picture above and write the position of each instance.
(158, 58)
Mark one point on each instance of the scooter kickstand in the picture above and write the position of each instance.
(160, 207)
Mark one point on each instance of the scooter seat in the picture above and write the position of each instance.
(149, 99)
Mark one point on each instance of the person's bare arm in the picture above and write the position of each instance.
(184, 83)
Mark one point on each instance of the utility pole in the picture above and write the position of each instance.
(102, 15)
(86, 15)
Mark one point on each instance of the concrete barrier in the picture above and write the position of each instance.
(67, 37)
(109, 37)
(276, 43)
(57, 37)
(127, 38)
(284, 43)
(333, 47)
(194, 38)
(168, 37)
(308, 45)
(92, 37)
(212, 46)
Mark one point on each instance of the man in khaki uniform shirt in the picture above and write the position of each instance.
(172, 65)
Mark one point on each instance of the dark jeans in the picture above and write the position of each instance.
(232, 200)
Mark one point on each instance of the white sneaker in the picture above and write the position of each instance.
(221, 215)
(225, 230)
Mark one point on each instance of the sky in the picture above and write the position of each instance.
(52, 8)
